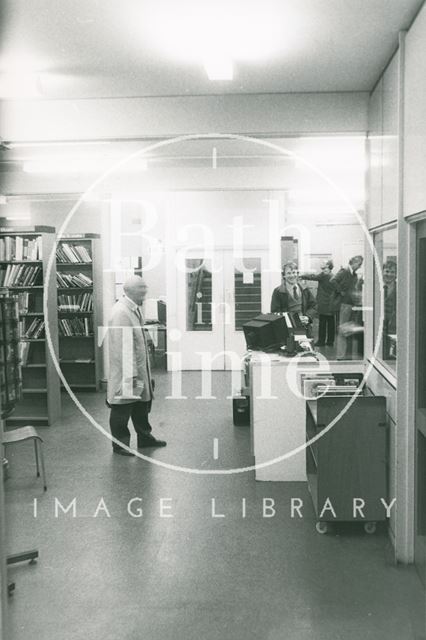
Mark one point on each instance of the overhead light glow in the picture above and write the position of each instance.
(197, 32)
(20, 85)
(219, 68)
(82, 165)
(54, 143)
(20, 75)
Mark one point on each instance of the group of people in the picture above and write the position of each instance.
(130, 385)
(335, 304)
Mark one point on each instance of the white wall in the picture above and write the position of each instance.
(275, 114)
(382, 208)
(415, 117)
(397, 189)
(383, 145)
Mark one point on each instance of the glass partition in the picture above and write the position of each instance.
(199, 295)
(248, 292)
(387, 249)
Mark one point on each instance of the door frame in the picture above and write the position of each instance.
(420, 416)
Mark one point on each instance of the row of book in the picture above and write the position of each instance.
(67, 280)
(19, 275)
(80, 302)
(66, 253)
(20, 248)
(34, 330)
(76, 327)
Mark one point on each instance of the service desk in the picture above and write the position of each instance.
(278, 409)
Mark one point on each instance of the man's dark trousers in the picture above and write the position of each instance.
(119, 419)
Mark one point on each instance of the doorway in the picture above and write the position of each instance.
(215, 296)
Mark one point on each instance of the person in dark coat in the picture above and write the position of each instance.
(292, 296)
(389, 294)
(346, 287)
(325, 303)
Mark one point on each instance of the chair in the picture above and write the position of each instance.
(22, 435)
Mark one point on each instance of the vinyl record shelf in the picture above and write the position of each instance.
(78, 272)
(24, 255)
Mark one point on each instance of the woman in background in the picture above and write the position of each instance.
(325, 303)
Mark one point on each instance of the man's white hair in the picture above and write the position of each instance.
(132, 283)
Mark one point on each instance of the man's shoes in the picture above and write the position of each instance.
(330, 344)
(319, 344)
(122, 452)
(150, 441)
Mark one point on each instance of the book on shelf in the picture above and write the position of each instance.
(24, 351)
(76, 327)
(75, 302)
(69, 280)
(34, 330)
(19, 275)
(24, 298)
(72, 253)
(20, 248)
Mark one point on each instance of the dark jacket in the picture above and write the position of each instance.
(389, 325)
(325, 291)
(345, 284)
(280, 296)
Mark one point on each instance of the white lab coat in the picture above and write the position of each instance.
(129, 376)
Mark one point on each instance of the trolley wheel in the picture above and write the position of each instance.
(370, 527)
(321, 527)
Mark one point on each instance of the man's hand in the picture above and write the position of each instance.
(305, 319)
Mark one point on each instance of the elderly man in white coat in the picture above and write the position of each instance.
(130, 386)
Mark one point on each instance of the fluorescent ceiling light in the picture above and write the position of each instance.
(20, 85)
(20, 75)
(219, 68)
(54, 143)
(197, 32)
(323, 196)
(94, 164)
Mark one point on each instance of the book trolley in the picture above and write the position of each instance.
(348, 462)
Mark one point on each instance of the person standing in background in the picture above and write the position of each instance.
(346, 285)
(130, 386)
(325, 303)
(292, 296)
(389, 295)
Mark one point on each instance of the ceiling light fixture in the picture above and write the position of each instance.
(82, 165)
(216, 35)
(219, 68)
(53, 143)
(20, 75)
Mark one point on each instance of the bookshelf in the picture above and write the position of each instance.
(24, 255)
(10, 365)
(78, 299)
